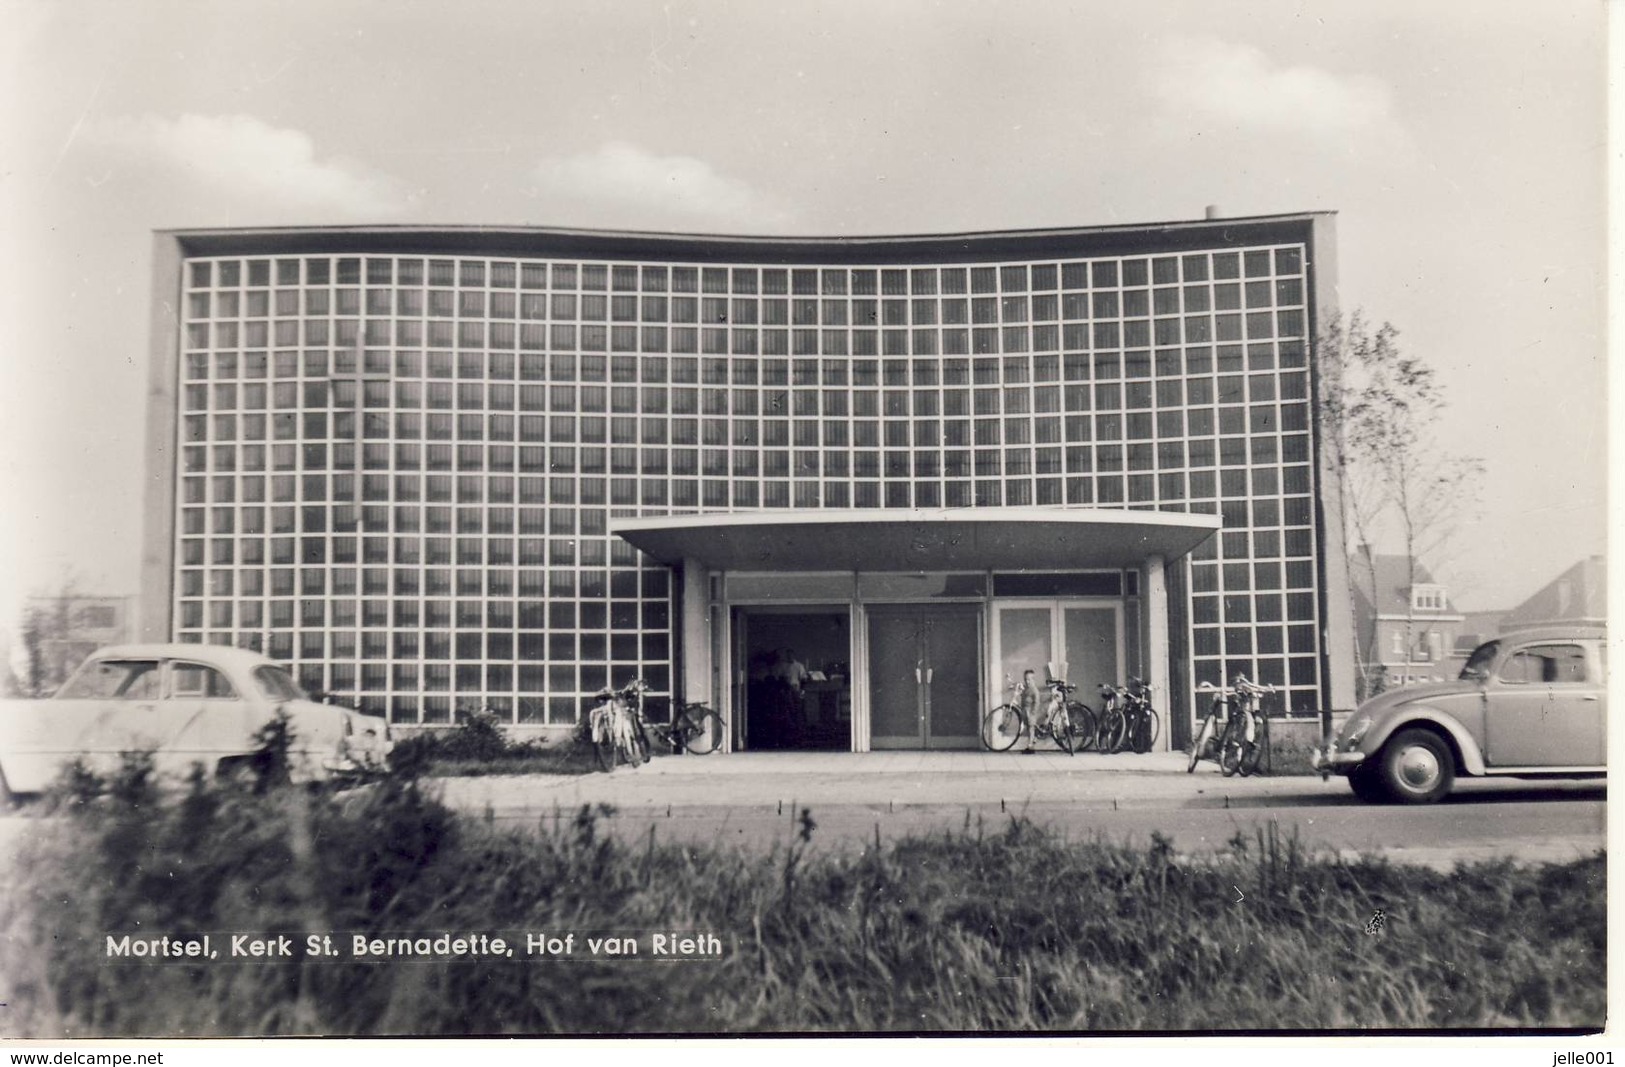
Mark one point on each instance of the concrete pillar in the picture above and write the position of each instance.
(1154, 605)
(696, 612)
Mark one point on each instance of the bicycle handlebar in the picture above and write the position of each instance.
(1241, 686)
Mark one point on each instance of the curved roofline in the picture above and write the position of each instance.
(613, 244)
(883, 516)
(589, 231)
(887, 539)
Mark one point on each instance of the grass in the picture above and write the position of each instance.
(1000, 927)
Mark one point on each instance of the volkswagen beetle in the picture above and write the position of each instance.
(1528, 705)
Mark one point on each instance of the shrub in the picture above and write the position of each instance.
(479, 745)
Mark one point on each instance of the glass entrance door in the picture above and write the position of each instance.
(1087, 636)
(923, 667)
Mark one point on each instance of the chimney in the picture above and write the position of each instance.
(1212, 212)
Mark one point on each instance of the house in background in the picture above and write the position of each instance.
(1476, 628)
(1411, 630)
(1577, 597)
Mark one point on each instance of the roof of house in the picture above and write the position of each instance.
(1478, 627)
(1393, 585)
(1578, 594)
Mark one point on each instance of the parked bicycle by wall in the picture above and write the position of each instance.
(1234, 734)
(620, 732)
(615, 728)
(690, 728)
(1069, 723)
(1127, 720)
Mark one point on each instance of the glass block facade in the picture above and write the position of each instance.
(395, 462)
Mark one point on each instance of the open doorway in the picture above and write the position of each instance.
(798, 677)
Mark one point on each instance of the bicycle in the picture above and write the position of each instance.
(1110, 725)
(692, 728)
(1127, 719)
(1229, 734)
(1068, 723)
(616, 729)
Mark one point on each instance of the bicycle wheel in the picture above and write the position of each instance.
(1084, 726)
(702, 729)
(1002, 727)
(1233, 747)
(1254, 753)
(1061, 729)
(604, 749)
(640, 742)
(1109, 736)
(1200, 742)
(1125, 736)
(1144, 733)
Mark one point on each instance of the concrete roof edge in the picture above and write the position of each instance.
(853, 516)
(462, 229)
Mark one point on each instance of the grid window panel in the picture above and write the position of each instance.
(426, 429)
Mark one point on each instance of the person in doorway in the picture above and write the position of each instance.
(790, 675)
(789, 670)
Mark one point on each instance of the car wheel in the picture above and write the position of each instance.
(1366, 787)
(1416, 767)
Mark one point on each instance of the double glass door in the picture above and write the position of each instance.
(924, 662)
(1076, 641)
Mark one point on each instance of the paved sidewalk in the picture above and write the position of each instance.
(890, 780)
(754, 799)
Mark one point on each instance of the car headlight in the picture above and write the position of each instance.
(1356, 730)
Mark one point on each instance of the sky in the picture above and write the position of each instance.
(1462, 145)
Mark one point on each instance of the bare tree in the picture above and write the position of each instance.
(1393, 477)
(48, 626)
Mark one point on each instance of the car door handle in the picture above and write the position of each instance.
(1592, 698)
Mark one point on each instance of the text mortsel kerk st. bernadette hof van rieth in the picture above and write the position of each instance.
(671, 945)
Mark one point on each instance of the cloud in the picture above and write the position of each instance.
(624, 178)
(1237, 84)
(245, 156)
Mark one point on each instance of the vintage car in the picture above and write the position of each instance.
(1529, 705)
(187, 704)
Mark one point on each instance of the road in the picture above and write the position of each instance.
(754, 800)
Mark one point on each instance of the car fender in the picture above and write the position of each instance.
(1472, 760)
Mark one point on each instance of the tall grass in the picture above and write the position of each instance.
(1000, 927)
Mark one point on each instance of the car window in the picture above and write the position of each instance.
(113, 679)
(1545, 665)
(275, 684)
(1477, 667)
(198, 681)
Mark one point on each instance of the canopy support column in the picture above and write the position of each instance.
(1154, 582)
(696, 617)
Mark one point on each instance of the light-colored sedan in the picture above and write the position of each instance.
(186, 704)
(1529, 705)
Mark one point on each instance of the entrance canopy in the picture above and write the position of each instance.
(1020, 538)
